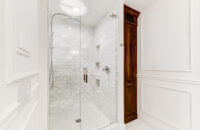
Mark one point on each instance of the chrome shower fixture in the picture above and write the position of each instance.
(106, 69)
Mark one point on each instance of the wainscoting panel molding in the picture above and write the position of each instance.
(22, 76)
(170, 79)
(26, 120)
(8, 114)
(171, 67)
(18, 114)
(175, 105)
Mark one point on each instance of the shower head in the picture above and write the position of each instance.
(73, 20)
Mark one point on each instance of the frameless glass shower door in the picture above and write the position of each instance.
(98, 59)
(65, 70)
(83, 64)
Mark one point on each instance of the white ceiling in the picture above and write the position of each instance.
(96, 9)
(139, 4)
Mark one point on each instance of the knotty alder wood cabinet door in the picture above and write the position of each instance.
(130, 64)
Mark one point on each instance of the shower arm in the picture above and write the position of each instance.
(52, 18)
(58, 13)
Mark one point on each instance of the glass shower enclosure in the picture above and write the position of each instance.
(82, 67)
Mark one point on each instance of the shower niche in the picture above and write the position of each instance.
(97, 65)
(82, 96)
(97, 83)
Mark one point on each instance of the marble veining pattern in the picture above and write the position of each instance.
(74, 48)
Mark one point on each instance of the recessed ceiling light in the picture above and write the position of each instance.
(76, 9)
(73, 7)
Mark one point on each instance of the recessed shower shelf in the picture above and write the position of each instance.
(97, 65)
(98, 46)
(97, 83)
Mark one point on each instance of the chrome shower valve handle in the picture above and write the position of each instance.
(106, 69)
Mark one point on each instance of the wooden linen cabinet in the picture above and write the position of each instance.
(130, 64)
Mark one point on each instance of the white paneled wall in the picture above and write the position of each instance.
(171, 20)
(169, 56)
(20, 86)
(2, 31)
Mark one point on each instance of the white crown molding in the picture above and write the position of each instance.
(158, 118)
(169, 79)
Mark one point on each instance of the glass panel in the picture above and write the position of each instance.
(64, 93)
(83, 64)
(98, 63)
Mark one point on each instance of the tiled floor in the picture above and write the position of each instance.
(138, 125)
(135, 125)
(92, 118)
(65, 109)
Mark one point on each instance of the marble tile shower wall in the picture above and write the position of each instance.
(65, 92)
(66, 57)
(105, 35)
(72, 51)
(104, 95)
(75, 49)
(87, 55)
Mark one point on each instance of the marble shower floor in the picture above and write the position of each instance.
(65, 109)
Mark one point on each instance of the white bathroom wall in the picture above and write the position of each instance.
(168, 69)
(21, 102)
(1, 43)
(2, 31)
(120, 64)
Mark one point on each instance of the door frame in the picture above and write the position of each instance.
(136, 14)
